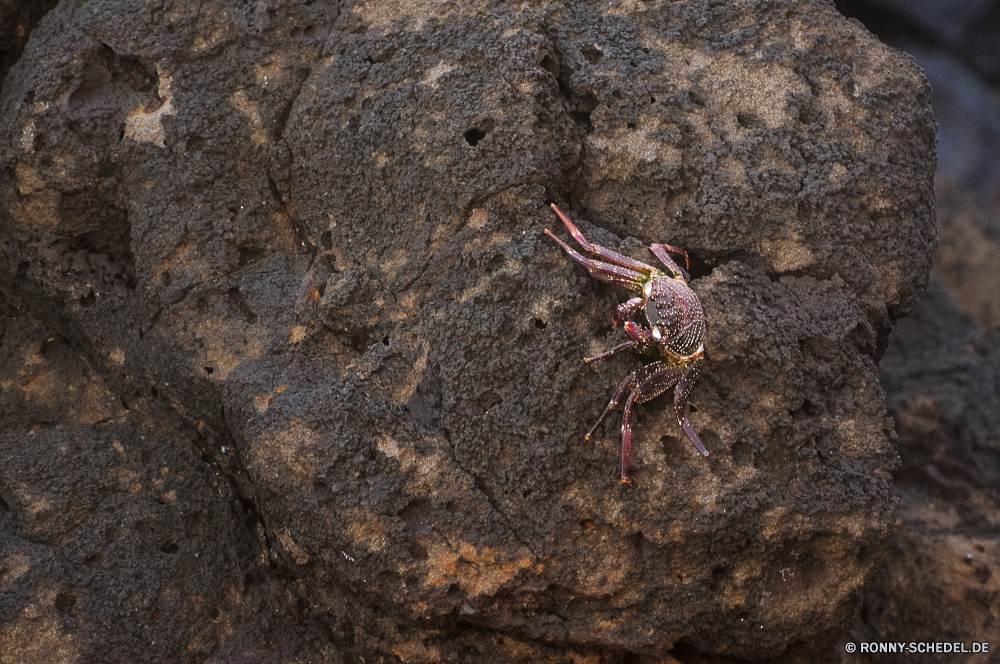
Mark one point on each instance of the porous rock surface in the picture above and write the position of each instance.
(939, 580)
(292, 374)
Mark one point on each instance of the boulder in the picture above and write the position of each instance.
(296, 254)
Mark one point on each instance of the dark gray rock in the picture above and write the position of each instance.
(940, 579)
(309, 242)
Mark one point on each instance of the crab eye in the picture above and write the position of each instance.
(656, 333)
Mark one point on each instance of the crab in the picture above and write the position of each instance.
(672, 333)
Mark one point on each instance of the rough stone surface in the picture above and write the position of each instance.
(294, 374)
(940, 579)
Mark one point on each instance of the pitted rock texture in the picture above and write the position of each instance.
(298, 251)
(940, 578)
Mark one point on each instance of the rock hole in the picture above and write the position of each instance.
(630, 125)
(748, 120)
(587, 524)
(88, 300)
(807, 410)
(417, 552)
(93, 560)
(209, 370)
(473, 136)
(719, 575)
(326, 240)
(696, 98)
(250, 255)
(169, 547)
(65, 601)
(49, 348)
(416, 516)
(592, 53)
(166, 279)
(540, 324)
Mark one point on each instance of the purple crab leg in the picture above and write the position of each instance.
(625, 310)
(610, 351)
(614, 402)
(651, 381)
(639, 335)
(660, 251)
(603, 252)
(680, 394)
(627, 437)
(604, 271)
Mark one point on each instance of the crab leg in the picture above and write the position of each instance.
(604, 271)
(651, 381)
(610, 351)
(680, 394)
(603, 252)
(639, 334)
(627, 437)
(614, 402)
(660, 251)
(625, 310)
